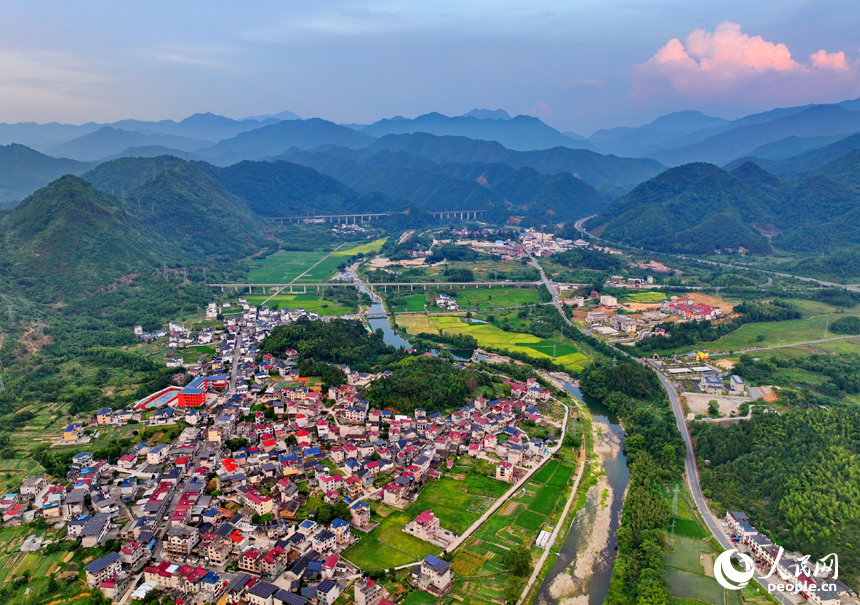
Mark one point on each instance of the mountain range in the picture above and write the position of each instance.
(698, 208)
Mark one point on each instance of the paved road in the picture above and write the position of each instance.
(693, 479)
(234, 369)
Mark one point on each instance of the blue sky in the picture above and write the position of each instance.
(579, 65)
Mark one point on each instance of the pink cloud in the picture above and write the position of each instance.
(540, 109)
(827, 60)
(727, 62)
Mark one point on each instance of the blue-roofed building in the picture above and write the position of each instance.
(433, 575)
(328, 591)
(284, 597)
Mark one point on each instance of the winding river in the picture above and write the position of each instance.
(581, 573)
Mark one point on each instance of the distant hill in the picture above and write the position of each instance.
(108, 141)
(71, 233)
(152, 151)
(798, 166)
(285, 189)
(664, 130)
(790, 146)
(24, 170)
(277, 138)
(487, 114)
(43, 137)
(521, 133)
(506, 190)
(593, 168)
(197, 215)
(128, 173)
(817, 120)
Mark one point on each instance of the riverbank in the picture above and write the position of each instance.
(579, 570)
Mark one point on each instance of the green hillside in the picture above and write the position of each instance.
(196, 216)
(127, 174)
(694, 208)
(71, 235)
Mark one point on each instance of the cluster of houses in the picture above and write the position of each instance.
(687, 308)
(620, 281)
(222, 508)
(816, 581)
(449, 303)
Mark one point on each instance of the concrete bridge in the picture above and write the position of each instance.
(369, 216)
(289, 288)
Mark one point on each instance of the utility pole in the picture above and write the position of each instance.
(163, 267)
(204, 276)
(2, 384)
(675, 501)
(185, 275)
(40, 328)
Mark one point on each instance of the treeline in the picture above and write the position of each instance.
(460, 341)
(681, 334)
(604, 379)
(590, 259)
(655, 456)
(840, 373)
(796, 475)
(336, 342)
(425, 382)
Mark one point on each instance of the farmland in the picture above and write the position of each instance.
(479, 564)
(458, 499)
(490, 336)
(309, 301)
(283, 267)
(368, 248)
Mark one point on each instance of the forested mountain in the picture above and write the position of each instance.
(277, 138)
(521, 133)
(698, 208)
(283, 189)
(593, 168)
(453, 186)
(817, 120)
(109, 141)
(23, 170)
(801, 164)
(69, 234)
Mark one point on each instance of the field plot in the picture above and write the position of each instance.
(488, 335)
(493, 298)
(639, 296)
(480, 562)
(412, 303)
(308, 301)
(686, 585)
(283, 267)
(322, 272)
(368, 248)
(456, 502)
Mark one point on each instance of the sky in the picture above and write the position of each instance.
(579, 65)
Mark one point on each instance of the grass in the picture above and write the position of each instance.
(561, 477)
(413, 303)
(368, 248)
(419, 598)
(686, 554)
(759, 335)
(544, 474)
(686, 585)
(322, 272)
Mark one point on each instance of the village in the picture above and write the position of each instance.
(265, 480)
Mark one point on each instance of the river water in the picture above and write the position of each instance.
(580, 577)
(390, 337)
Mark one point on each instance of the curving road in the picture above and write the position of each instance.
(693, 480)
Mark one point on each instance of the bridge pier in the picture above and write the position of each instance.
(249, 289)
(222, 289)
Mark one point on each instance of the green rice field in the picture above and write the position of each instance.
(308, 301)
(283, 267)
(488, 335)
(368, 248)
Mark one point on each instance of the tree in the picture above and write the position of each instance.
(713, 408)
(519, 560)
(513, 589)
